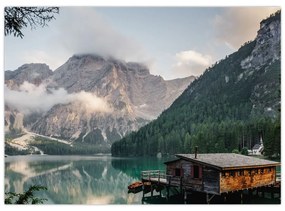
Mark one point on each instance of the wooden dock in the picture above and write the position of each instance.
(155, 176)
(159, 180)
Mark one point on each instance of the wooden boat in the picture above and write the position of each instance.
(135, 187)
(138, 186)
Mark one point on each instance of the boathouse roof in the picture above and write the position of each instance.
(227, 161)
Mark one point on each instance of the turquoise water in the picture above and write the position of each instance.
(78, 179)
(88, 179)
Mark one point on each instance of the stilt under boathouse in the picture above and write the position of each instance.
(217, 174)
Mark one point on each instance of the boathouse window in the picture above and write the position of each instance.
(240, 173)
(232, 173)
(226, 174)
(253, 171)
(196, 171)
(178, 172)
(261, 171)
(269, 170)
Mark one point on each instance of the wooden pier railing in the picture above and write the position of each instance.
(160, 176)
(153, 174)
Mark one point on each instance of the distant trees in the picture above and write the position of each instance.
(235, 151)
(215, 115)
(272, 17)
(51, 147)
(244, 151)
(226, 136)
(17, 18)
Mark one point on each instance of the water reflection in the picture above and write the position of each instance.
(88, 180)
(133, 166)
(75, 180)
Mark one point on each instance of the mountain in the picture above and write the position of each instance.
(234, 104)
(88, 100)
(28, 73)
(32, 73)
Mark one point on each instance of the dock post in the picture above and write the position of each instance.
(225, 197)
(257, 193)
(208, 199)
(272, 191)
(181, 185)
(143, 188)
(151, 190)
(167, 192)
(185, 196)
(167, 188)
(241, 197)
(250, 194)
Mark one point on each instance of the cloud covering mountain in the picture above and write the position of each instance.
(30, 98)
(90, 98)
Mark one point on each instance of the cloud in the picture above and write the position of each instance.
(238, 25)
(40, 56)
(76, 30)
(191, 63)
(89, 102)
(83, 30)
(31, 98)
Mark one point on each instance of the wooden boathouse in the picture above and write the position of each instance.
(215, 174)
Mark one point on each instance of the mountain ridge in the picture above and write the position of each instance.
(92, 99)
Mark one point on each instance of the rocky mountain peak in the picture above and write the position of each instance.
(267, 48)
(138, 68)
(85, 59)
(34, 73)
(132, 93)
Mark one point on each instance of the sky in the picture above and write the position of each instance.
(174, 42)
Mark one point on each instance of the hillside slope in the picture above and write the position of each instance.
(230, 107)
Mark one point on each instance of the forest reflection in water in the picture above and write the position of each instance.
(78, 179)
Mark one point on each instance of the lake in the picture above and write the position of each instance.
(78, 179)
(85, 179)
